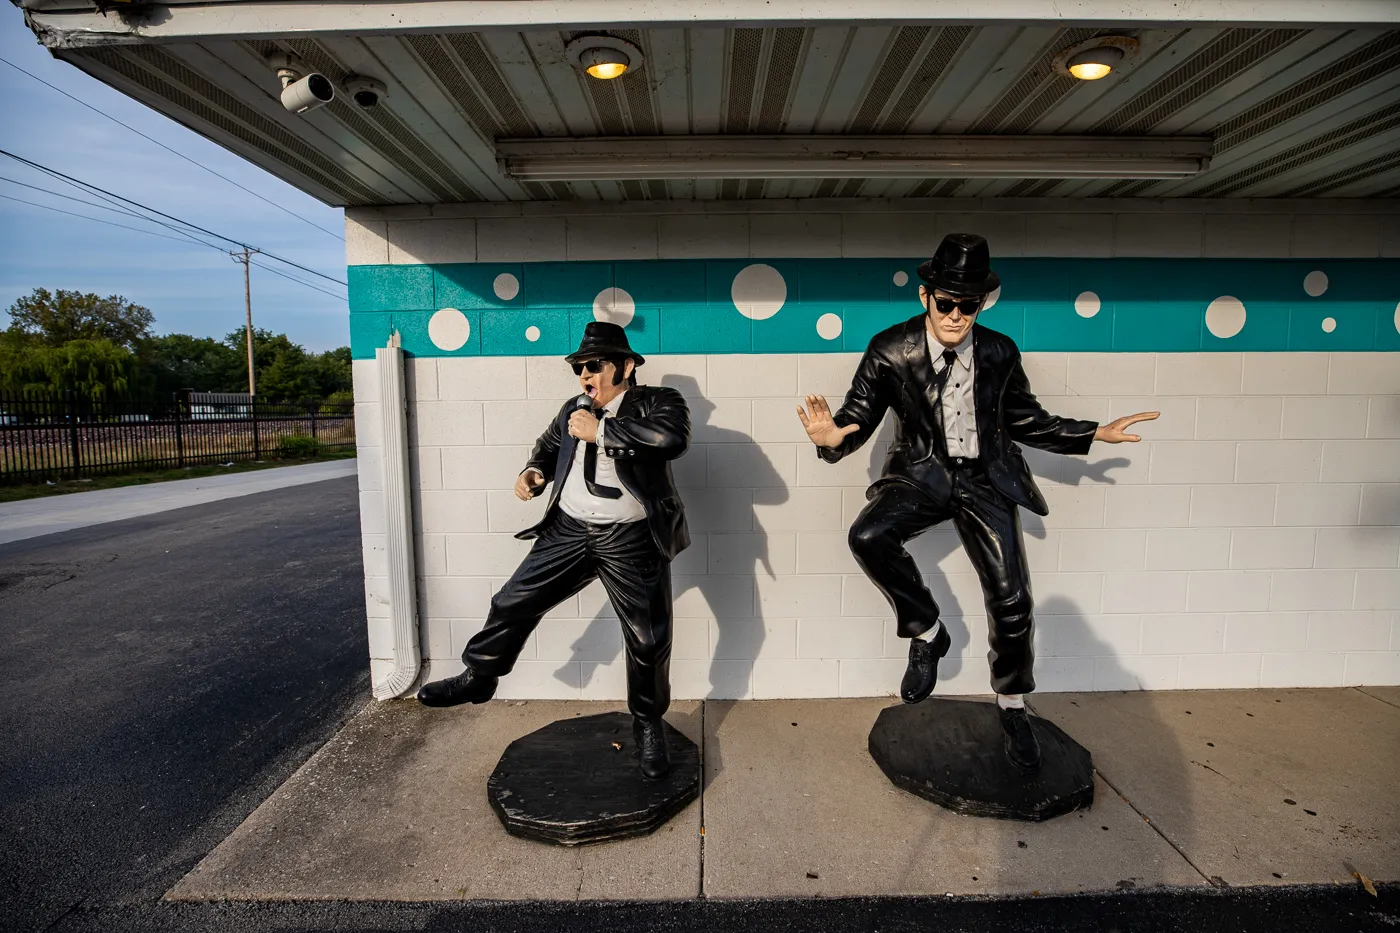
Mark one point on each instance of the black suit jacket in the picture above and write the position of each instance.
(897, 373)
(650, 429)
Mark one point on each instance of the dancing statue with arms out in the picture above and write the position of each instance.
(962, 403)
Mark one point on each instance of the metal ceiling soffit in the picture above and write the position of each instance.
(620, 157)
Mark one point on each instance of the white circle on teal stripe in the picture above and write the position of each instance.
(829, 326)
(759, 291)
(615, 306)
(1225, 316)
(1315, 283)
(449, 329)
(506, 286)
(532, 333)
(1087, 304)
(1397, 317)
(1329, 324)
(993, 297)
(901, 278)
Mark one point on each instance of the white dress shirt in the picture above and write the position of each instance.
(959, 412)
(578, 502)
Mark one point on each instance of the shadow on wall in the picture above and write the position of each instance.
(738, 632)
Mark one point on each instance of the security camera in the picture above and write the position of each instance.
(365, 92)
(301, 90)
(308, 93)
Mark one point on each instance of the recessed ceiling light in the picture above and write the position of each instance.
(604, 57)
(1094, 64)
(604, 63)
(1095, 58)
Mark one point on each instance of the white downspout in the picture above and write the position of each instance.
(398, 522)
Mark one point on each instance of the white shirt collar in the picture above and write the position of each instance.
(963, 350)
(616, 404)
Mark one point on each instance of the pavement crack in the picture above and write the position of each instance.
(1213, 881)
(1209, 768)
(1363, 690)
(701, 892)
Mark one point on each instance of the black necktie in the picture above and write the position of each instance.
(590, 475)
(940, 382)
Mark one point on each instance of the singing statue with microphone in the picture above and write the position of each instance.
(613, 515)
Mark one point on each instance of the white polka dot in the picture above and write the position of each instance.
(1315, 282)
(901, 278)
(1397, 317)
(615, 306)
(1329, 324)
(1225, 316)
(993, 298)
(829, 326)
(759, 291)
(449, 329)
(1087, 304)
(532, 333)
(506, 286)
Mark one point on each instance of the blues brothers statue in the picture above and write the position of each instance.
(962, 403)
(614, 515)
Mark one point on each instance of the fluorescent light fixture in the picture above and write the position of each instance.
(632, 157)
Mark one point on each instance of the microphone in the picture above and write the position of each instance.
(583, 402)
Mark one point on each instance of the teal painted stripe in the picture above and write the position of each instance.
(686, 306)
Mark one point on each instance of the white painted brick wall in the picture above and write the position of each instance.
(1253, 539)
(1221, 553)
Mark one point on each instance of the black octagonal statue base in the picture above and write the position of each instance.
(950, 752)
(576, 781)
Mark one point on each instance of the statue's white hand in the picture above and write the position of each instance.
(1112, 433)
(821, 427)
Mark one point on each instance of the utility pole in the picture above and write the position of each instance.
(244, 256)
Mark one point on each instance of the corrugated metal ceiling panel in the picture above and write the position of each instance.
(452, 95)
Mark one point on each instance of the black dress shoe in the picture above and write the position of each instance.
(922, 673)
(466, 687)
(1020, 743)
(654, 759)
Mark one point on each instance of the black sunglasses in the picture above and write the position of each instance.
(593, 366)
(968, 306)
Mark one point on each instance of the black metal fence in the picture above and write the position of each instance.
(45, 437)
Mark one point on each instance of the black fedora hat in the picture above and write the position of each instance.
(962, 266)
(601, 340)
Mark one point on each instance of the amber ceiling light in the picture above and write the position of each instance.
(1095, 58)
(604, 57)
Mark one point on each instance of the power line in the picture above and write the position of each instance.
(118, 208)
(124, 211)
(133, 129)
(187, 239)
(107, 222)
(324, 291)
(103, 191)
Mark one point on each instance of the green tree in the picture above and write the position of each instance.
(94, 369)
(286, 372)
(333, 372)
(179, 361)
(57, 318)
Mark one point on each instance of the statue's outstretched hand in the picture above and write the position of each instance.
(1112, 433)
(821, 428)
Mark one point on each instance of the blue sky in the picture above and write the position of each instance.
(191, 289)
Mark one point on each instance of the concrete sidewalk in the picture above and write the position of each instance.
(1195, 789)
(51, 514)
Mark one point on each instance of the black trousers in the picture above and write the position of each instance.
(566, 557)
(990, 528)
